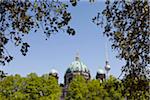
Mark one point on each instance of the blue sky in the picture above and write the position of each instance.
(60, 49)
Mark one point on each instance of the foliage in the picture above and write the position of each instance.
(77, 89)
(74, 2)
(11, 87)
(126, 24)
(2, 74)
(81, 89)
(30, 87)
(114, 88)
(21, 17)
(46, 87)
(140, 92)
(96, 90)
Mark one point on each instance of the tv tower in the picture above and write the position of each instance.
(107, 66)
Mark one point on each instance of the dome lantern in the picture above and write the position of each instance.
(77, 58)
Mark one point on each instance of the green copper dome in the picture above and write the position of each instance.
(77, 65)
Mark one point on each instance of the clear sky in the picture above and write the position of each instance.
(60, 49)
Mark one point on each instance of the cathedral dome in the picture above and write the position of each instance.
(77, 65)
(100, 71)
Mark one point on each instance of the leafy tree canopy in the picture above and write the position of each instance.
(96, 90)
(81, 89)
(21, 17)
(30, 87)
(114, 88)
(78, 89)
(126, 24)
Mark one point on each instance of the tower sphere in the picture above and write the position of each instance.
(107, 66)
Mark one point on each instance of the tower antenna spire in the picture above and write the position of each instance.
(107, 66)
(106, 52)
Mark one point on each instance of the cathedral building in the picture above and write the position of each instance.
(77, 67)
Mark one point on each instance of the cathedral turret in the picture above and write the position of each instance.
(100, 75)
(54, 73)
